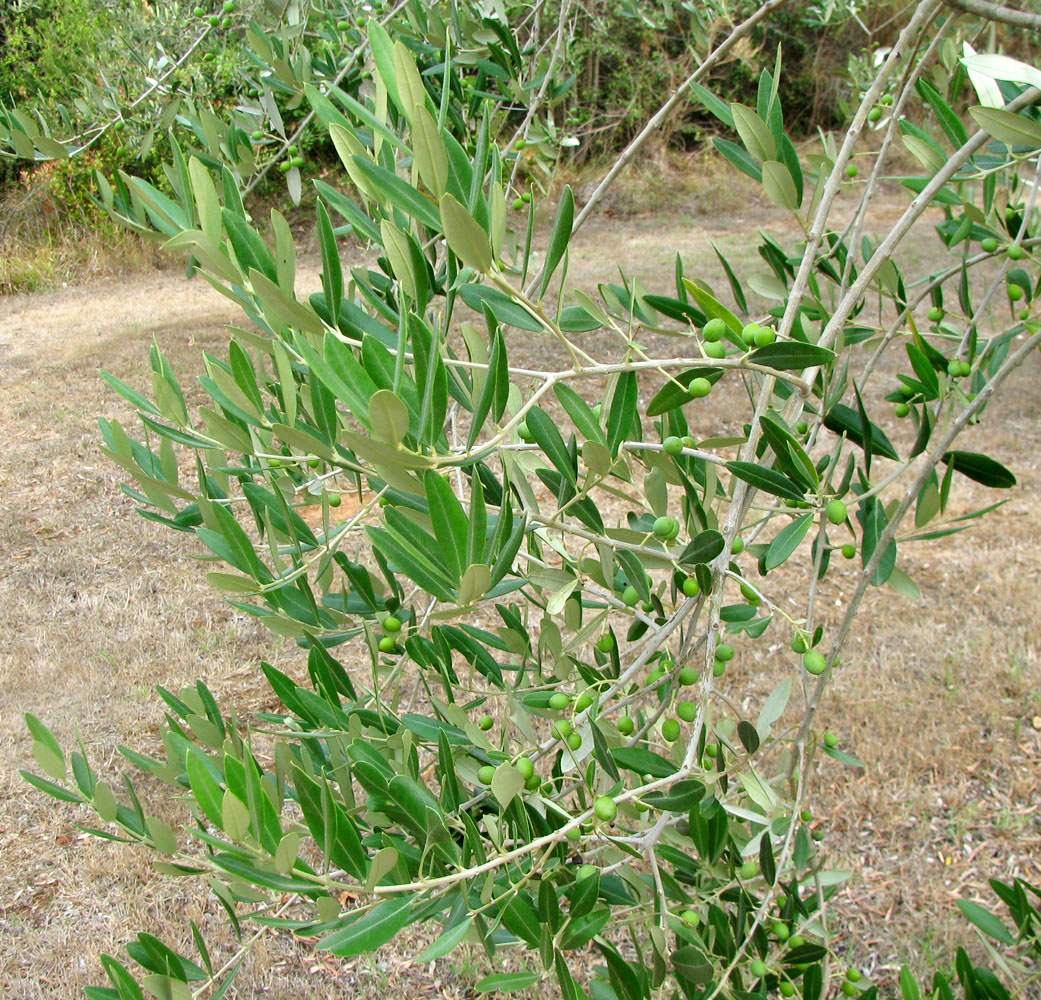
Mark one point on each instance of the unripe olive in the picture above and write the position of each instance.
(849, 551)
(524, 767)
(699, 388)
(485, 722)
(626, 725)
(387, 644)
(814, 662)
(574, 741)
(714, 330)
(391, 624)
(485, 774)
(724, 652)
(672, 445)
(670, 730)
(764, 336)
(874, 114)
(715, 350)
(559, 701)
(988, 244)
(691, 587)
(561, 729)
(901, 410)
(605, 808)
(935, 314)
(1014, 251)
(836, 512)
(686, 710)
(688, 676)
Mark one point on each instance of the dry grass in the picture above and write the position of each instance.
(936, 697)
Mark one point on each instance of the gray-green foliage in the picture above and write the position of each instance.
(482, 571)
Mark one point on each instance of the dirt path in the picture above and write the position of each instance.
(98, 606)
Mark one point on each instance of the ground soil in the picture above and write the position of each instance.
(939, 697)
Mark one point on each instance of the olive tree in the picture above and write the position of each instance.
(517, 642)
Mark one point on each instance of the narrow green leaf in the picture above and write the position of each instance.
(507, 784)
(388, 417)
(717, 107)
(623, 407)
(446, 942)
(1008, 127)
(909, 988)
(643, 762)
(399, 192)
(506, 982)
(842, 419)
(206, 791)
(560, 237)
(581, 413)
(703, 548)
(429, 150)
(787, 542)
(737, 156)
(949, 121)
(768, 480)
(50, 788)
(167, 988)
(985, 921)
(370, 931)
(791, 355)
(466, 239)
(332, 271)
(779, 185)
(503, 308)
(547, 436)
(735, 286)
(754, 132)
(981, 468)
(449, 521)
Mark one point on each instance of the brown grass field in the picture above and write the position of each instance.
(941, 697)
